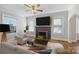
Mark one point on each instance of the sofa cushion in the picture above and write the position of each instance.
(24, 50)
(7, 48)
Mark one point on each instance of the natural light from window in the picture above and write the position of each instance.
(58, 25)
(57, 21)
(9, 20)
(57, 30)
(31, 26)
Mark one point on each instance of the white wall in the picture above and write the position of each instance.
(72, 28)
(77, 18)
(60, 14)
(77, 27)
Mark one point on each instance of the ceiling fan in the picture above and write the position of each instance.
(34, 7)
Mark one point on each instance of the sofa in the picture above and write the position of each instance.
(12, 48)
(6, 48)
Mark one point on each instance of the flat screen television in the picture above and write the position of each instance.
(43, 21)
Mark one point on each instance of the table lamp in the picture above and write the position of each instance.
(4, 28)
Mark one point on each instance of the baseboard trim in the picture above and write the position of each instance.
(60, 39)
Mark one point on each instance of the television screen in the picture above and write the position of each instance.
(43, 21)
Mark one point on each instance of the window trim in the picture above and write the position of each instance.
(61, 26)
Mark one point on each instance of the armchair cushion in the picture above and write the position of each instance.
(56, 47)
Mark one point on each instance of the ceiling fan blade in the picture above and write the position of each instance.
(39, 10)
(27, 5)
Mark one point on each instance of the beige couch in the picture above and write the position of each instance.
(12, 48)
(6, 48)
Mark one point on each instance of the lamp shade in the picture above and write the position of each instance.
(4, 28)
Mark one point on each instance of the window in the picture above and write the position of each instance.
(57, 21)
(31, 25)
(11, 22)
(58, 25)
(57, 30)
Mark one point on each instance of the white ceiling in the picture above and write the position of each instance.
(21, 10)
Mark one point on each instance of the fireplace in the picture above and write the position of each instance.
(43, 33)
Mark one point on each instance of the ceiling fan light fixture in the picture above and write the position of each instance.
(34, 7)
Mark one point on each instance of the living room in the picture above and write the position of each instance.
(60, 31)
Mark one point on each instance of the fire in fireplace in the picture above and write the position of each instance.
(43, 34)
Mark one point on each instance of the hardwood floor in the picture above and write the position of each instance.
(69, 47)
